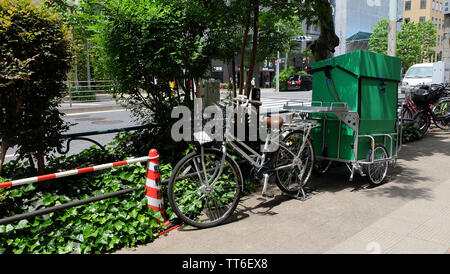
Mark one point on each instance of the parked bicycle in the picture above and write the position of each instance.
(408, 107)
(432, 104)
(206, 185)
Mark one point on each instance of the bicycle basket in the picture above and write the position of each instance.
(424, 97)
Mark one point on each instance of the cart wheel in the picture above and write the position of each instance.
(322, 166)
(377, 172)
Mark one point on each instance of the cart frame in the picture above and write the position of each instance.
(351, 119)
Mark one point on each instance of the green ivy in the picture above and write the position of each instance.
(98, 227)
(411, 133)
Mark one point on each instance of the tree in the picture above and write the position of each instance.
(319, 12)
(35, 56)
(378, 41)
(415, 41)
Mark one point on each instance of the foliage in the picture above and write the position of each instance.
(97, 227)
(411, 133)
(35, 58)
(415, 41)
(378, 41)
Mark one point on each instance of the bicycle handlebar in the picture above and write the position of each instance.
(246, 101)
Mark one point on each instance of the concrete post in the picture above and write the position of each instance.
(446, 36)
(392, 35)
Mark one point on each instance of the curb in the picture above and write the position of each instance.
(75, 110)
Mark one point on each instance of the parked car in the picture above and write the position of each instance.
(418, 74)
(300, 82)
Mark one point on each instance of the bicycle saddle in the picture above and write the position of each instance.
(274, 121)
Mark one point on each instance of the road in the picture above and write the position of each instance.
(90, 121)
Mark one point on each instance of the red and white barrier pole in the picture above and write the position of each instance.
(70, 172)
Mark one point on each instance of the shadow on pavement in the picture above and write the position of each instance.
(405, 180)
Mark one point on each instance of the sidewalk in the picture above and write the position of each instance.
(409, 214)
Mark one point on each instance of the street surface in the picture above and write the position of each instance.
(90, 121)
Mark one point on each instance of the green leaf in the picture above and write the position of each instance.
(118, 225)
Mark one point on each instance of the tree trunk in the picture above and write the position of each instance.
(254, 47)
(328, 40)
(40, 162)
(4, 148)
(233, 71)
(244, 44)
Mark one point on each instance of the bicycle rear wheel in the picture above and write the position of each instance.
(442, 108)
(422, 121)
(291, 179)
(204, 202)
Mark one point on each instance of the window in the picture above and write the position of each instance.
(407, 20)
(423, 4)
(434, 5)
(422, 19)
(407, 5)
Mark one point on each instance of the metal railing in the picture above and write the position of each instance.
(88, 91)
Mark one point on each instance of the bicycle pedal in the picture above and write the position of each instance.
(268, 194)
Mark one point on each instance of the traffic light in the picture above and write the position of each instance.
(303, 38)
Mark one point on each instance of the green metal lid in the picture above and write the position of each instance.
(364, 63)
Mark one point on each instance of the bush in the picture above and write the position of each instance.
(411, 133)
(35, 55)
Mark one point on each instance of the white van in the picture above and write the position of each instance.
(418, 74)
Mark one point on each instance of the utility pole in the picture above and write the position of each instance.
(278, 72)
(446, 38)
(88, 64)
(392, 35)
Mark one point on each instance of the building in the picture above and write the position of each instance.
(354, 21)
(427, 10)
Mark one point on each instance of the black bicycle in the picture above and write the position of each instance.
(432, 104)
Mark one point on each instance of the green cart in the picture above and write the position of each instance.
(354, 100)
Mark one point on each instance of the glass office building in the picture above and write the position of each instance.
(355, 19)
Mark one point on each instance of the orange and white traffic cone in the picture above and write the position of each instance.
(153, 189)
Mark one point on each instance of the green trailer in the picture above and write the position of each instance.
(354, 100)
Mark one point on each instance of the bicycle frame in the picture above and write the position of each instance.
(256, 159)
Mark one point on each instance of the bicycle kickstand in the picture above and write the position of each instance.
(266, 193)
(304, 196)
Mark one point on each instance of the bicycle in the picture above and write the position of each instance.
(431, 105)
(206, 185)
(408, 108)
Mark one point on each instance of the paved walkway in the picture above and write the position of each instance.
(409, 214)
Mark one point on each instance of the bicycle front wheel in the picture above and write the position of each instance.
(294, 164)
(200, 193)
